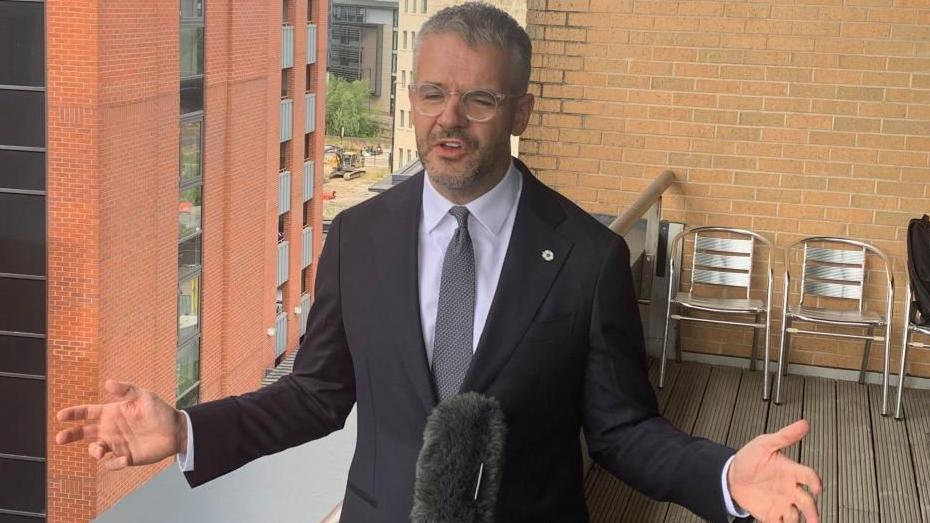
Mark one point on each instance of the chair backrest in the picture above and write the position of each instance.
(722, 261)
(834, 268)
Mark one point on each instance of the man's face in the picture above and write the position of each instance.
(464, 158)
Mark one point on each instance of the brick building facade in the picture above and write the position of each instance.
(790, 118)
(143, 232)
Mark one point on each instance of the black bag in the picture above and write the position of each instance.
(918, 267)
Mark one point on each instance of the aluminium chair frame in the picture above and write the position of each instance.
(909, 329)
(885, 322)
(674, 283)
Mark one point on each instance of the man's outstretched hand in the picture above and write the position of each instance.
(770, 486)
(137, 429)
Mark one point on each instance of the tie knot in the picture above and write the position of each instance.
(461, 215)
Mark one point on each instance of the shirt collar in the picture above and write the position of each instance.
(490, 209)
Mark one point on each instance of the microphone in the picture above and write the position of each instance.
(460, 465)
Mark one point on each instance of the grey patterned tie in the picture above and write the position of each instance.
(452, 347)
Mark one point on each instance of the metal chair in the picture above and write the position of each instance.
(834, 270)
(722, 265)
(909, 329)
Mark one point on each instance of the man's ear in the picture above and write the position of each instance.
(523, 108)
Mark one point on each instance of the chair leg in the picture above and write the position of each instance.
(668, 321)
(678, 342)
(782, 369)
(886, 366)
(865, 355)
(755, 345)
(906, 339)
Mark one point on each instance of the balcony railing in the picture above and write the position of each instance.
(304, 312)
(287, 116)
(308, 180)
(280, 334)
(311, 112)
(311, 44)
(306, 247)
(284, 192)
(287, 46)
(283, 253)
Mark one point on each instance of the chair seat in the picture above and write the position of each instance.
(686, 299)
(848, 316)
(923, 329)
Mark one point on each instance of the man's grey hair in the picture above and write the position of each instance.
(478, 23)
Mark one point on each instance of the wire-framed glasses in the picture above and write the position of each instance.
(480, 105)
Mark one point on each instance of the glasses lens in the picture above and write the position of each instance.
(480, 105)
(430, 99)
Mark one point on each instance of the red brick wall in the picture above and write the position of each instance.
(793, 119)
(113, 193)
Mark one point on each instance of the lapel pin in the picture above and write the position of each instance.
(548, 255)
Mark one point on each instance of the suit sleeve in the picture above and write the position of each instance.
(624, 431)
(306, 405)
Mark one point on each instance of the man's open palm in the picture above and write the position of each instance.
(770, 486)
(137, 429)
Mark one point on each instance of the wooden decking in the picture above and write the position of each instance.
(874, 469)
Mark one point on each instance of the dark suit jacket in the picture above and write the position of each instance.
(562, 349)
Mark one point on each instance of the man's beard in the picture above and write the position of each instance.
(476, 164)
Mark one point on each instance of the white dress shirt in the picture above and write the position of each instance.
(490, 224)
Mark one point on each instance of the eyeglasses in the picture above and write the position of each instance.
(480, 104)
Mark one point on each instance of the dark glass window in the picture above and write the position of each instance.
(191, 9)
(188, 366)
(22, 234)
(22, 485)
(22, 355)
(27, 414)
(11, 518)
(23, 120)
(22, 308)
(189, 308)
(189, 206)
(190, 256)
(22, 44)
(22, 170)
(191, 144)
(191, 95)
(191, 50)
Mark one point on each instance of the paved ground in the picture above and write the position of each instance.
(349, 193)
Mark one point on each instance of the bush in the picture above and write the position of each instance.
(346, 109)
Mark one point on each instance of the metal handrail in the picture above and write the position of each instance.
(334, 514)
(646, 199)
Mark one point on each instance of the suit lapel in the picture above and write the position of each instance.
(396, 259)
(525, 280)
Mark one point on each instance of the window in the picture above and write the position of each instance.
(285, 11)
(405, 39)
(406, 6)
(403, 78)
(286, 83)
(22, 118)
(27, 312)
(22, 235)
(191, 50)
(189, 308)
(22, 44)
(189, 206)
(423, 6)
(309, 11)
(401, 117)
(190, 256)
(22, 170)
(188, 367)
(191, 9)
(191, 143)
(413, 39)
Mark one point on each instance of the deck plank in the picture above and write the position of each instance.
(917, 420)
(857, 492)
(750, 413)
(897, 490)
(819, 448)
(780, 416)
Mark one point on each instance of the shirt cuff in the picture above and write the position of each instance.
(733, 510)
(186, 459)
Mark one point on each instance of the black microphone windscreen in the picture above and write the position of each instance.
(460, 465)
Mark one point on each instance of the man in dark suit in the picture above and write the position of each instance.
(472, 276)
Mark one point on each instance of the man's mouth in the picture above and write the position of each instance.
(451, 145)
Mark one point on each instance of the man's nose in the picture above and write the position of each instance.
(453, 114)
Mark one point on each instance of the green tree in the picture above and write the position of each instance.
(346, 108)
